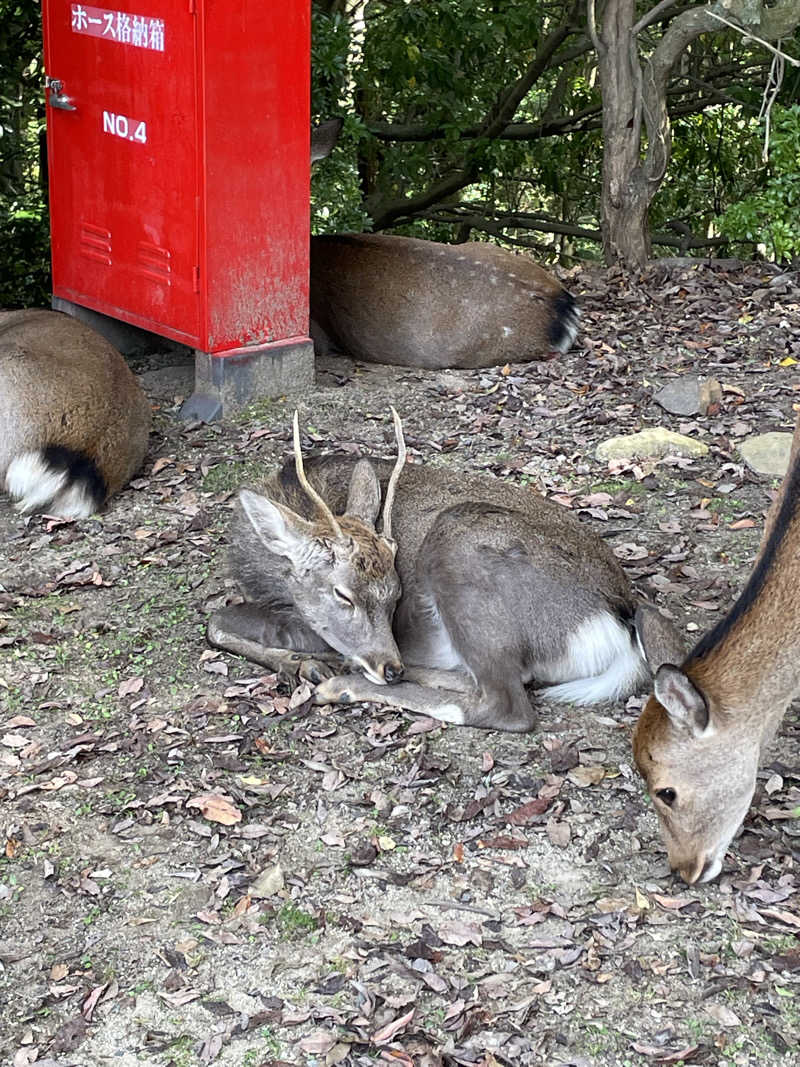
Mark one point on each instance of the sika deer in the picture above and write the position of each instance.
(414, 303)
(700, 737)
(73, 421)
(473, 589)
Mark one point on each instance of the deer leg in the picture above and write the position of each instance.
(246, 631)
(497, 709)
(437, 678)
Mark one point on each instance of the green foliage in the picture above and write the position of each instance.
(443, 64)
(770, 215)
(443, 67)
(336, 205)
(25, 258)
(714, 157)
(24, 225)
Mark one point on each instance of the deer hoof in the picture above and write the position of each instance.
(333, 691)
(311, 670)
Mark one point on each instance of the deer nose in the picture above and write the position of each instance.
(697, 870)
(392, 672)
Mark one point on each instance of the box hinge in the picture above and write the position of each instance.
(196, 279)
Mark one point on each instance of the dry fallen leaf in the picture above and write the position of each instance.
(318, 1042)
(723, 1015)
(269, 882)
(130, 686)
(216, 807)
(460, 934)
(586, 775)
(559, 833)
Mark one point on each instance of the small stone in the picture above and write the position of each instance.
(767, 453)
(691, 394)
(653, 443)
(363, 854)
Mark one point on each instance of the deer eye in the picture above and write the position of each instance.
(342, 597)
(666, 796)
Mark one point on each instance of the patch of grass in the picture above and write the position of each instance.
(727, 507)
(272, 410)
(294, 922)
(182, 1052)
(613, 486)
(228, 476)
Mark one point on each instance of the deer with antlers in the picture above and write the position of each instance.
(472, 589)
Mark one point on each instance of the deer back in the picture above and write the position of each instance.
(418, 303)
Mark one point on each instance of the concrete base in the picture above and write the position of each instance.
(129, 340)
(225, 383)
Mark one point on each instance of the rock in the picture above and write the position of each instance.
(767, 453)
(653, 443)
(691, 394)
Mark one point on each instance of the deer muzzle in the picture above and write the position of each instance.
(699, 869)
(379, 670)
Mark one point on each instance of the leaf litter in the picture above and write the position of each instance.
(201, 867)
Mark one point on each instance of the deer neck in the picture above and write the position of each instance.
(749, 664)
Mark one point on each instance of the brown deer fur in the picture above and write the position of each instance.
(417, 303)
(74, 422)
(701, 735)
(480, 588)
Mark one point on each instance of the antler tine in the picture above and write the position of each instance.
(310, 492)
(395, 477)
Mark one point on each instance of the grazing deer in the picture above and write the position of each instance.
(700, 737)
(416, 303)
(73, 421)
(472, 589)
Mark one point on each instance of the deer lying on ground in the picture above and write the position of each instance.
(417, 303)
(73, 421)
(472, 589)
(700, 737)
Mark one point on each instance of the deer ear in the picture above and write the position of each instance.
(364, 494)
(682, 701)
(278, 527)
(658, 638)
(324, 137)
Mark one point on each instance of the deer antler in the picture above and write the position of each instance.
(310, 492)
(393, 480)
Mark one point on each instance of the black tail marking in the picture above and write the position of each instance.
(79, 469)
(564, 324)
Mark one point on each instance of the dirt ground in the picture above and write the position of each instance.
(200, 867)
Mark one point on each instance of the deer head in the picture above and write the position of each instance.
(700, 766)
(338, 571)
(700, 736)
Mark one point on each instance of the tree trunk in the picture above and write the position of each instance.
(632, 95)
(626, 196)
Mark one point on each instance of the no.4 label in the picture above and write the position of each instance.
(126, 128)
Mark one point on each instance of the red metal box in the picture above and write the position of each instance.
(179, 173)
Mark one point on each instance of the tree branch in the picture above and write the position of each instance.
(652, 15)
(475, 220)
(384, 215)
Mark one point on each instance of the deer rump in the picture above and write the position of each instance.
(74, 423)
(415, 303)
(500, 588)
